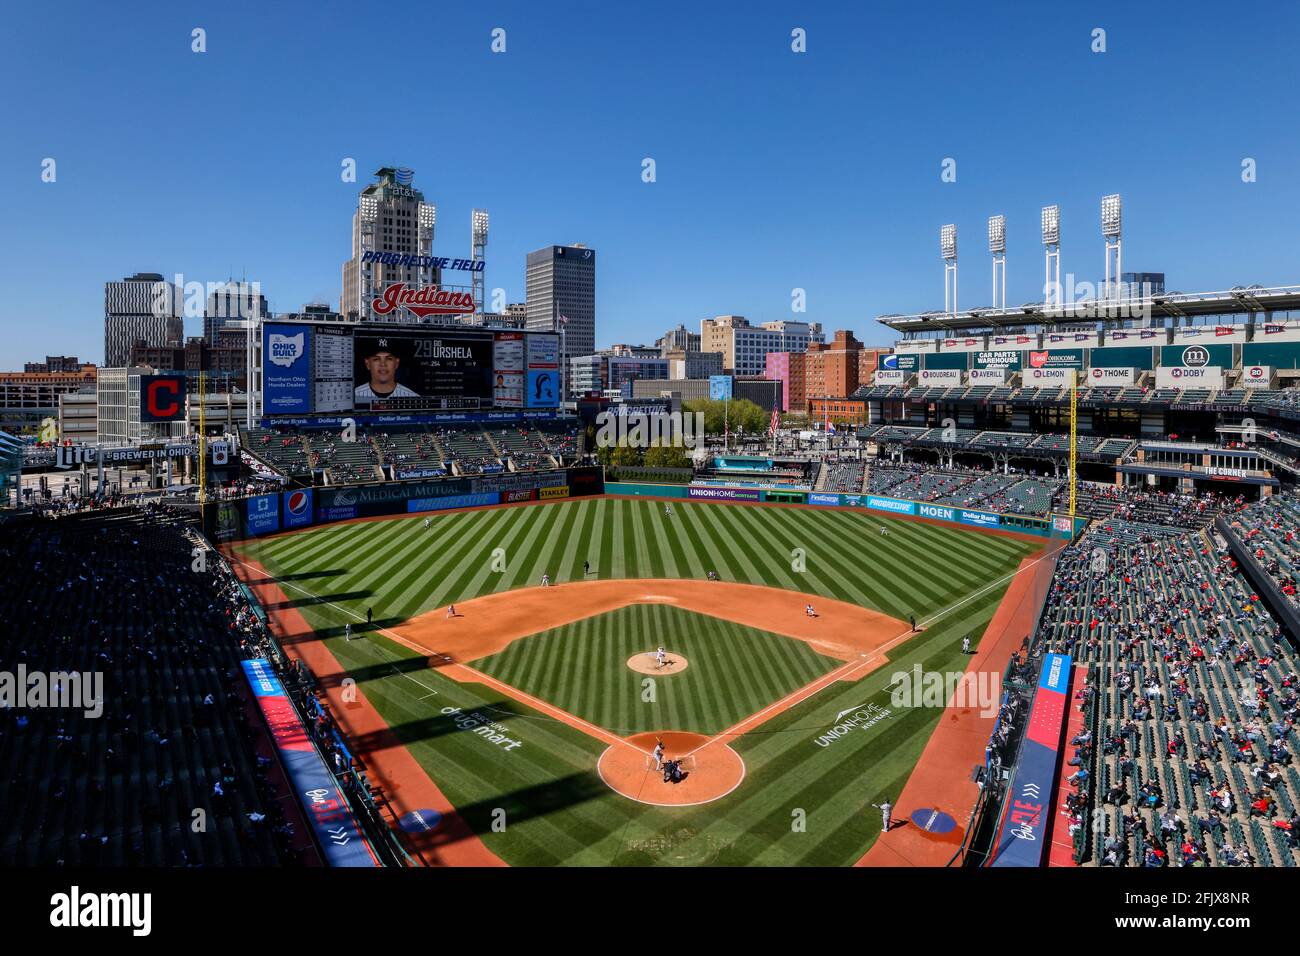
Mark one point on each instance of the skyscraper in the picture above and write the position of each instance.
(230, 305)
(561, 289)
(141, 308)
(395, 224)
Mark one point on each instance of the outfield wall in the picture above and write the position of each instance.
(1057, 526)
(258, 515)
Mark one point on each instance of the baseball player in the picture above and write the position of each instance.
(965, 645)
(668, 510)
(808, 610)
(451, 610)
(586, 568)
(659, 755)
(885, 809)
(659, 657)
(347, 632)
(426, 524)
(546, 580)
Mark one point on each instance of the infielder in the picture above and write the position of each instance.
(659, 657)
(546, 580)
(885, 810)
(451, 610)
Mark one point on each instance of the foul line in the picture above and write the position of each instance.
(844, 670)
(562, 715)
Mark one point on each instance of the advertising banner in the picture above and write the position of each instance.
(823, 498)
(327, 810)
(1022, 837)
(723, 494)
(1205, 355)
(983, 519)
(453, 501)
(939, 376)
(896, 505)
(528, 494)
(555, 492)
(297, 508)
(986, 376)
(940, 512)
(1054, 358)
(286, 369)
(263, 515)
(890, 376)
(542, 388)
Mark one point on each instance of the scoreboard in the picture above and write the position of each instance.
(319, 368)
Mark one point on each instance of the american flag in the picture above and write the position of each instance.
(564, 320)
(776, 421)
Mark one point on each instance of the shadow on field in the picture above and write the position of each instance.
(300, 576)
(315, 599)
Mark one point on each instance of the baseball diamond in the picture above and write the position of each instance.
(547, 666)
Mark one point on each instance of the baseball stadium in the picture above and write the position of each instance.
(1032, 623)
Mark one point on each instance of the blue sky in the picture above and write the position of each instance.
(775, 170)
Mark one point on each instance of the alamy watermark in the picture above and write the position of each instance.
(977, 690)
(645, 430)
(23, 689)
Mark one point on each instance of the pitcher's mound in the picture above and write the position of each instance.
(645, 663)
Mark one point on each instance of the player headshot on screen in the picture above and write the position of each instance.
(382, 365)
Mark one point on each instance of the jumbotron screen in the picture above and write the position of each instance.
(315, 368)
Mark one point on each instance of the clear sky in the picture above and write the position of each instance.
(775, 170)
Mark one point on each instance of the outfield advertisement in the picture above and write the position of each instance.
(723, 494)
(895, 505)
(298, 511)
(263, 514)
(447, 502)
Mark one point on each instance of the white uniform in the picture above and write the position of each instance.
(659, 657)
(364, 394)
(659, 756)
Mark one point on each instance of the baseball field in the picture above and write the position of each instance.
(522, 725)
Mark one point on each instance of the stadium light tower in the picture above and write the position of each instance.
(1052, 255)
(1111, 214)
(426, 221)
(998, 246)
(478, 243)
(948, 246)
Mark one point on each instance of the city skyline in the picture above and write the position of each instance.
(775, 171)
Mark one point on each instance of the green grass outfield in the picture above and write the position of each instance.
(557, 810)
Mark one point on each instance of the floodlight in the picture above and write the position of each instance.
(1051, 225)
(427, 215)
(479, 219)
(948, 241)
(1110, 215)
(997, 233)
(369, 208)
